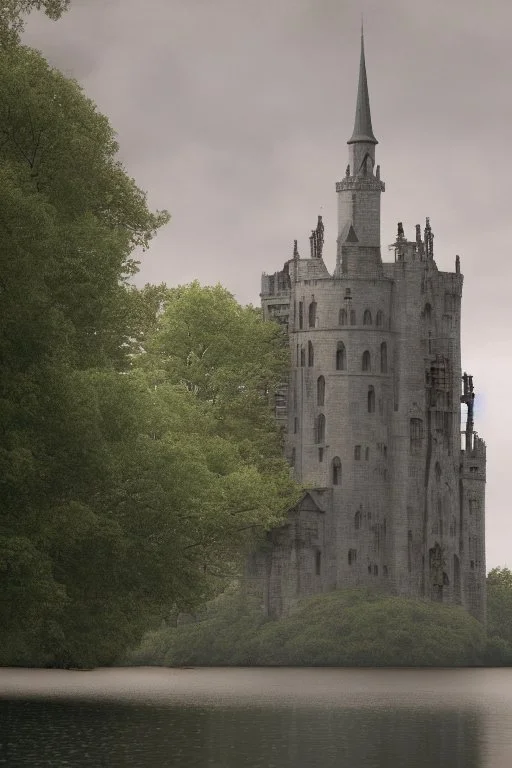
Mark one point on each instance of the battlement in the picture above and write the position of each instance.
(474, 448)
(414, 251)
(356, 183)
(277, 284)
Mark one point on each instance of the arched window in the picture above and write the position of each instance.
(366, 362)
(427, 313)
(302, 357)
(311, 355)
(312, 314)
(383, 357)
(379, 320)
(320, 390)
(301, 315)
(341, 356)
(320, 428)
(352, 556)
(371, 400)
(352, 317)
(367, 317)
(336, 471)
(437, 470)
(342, 317)
(357, 520)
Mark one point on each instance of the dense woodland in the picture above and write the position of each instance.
(138, 451)
(139, 458)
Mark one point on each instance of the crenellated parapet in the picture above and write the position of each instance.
(360, 184)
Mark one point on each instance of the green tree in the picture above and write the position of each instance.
(225, 362)
(118, 499)
(70, 218)
(13, 12)
(226, 356)
(499, 604)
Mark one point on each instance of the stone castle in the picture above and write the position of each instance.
(372, 412)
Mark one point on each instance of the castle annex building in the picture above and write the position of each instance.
(372, 411)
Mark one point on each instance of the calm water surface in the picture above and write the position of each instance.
(257, 718)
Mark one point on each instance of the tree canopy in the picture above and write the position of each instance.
(347, 627)
(125, 487)
(13, 13)
(499, 615)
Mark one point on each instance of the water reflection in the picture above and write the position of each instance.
(362, 728)
(85, 734)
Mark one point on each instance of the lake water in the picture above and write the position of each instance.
(256, 718)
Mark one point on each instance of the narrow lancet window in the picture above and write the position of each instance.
(341, 356)
(342, 317)
(312, 314)
(383, 357)
(320, 428)
(311, 355)
(320, 391)
(367, 317)
(366, 362)
(336, 471)
(371, 400)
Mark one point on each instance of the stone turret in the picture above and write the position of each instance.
(372, 408)
(359, 193)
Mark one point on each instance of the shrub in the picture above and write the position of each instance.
(343, 628)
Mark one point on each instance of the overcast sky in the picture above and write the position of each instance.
(234, 115)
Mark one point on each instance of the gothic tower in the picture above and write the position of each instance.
(372, 411)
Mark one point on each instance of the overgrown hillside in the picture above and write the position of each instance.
(343, 628)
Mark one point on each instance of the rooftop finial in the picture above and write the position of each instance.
(363, 123)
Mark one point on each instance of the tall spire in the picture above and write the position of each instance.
(363, 123)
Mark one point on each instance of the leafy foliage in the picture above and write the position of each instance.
(223, 363)
(69, 220)
(499, 616)
(12, 13)
(343, 628)
(118, 499)
(226, 356)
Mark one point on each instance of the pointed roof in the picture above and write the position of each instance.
(363, 123)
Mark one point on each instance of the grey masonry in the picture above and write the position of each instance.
(372, 412)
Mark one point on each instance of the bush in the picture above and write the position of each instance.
(343, 628)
